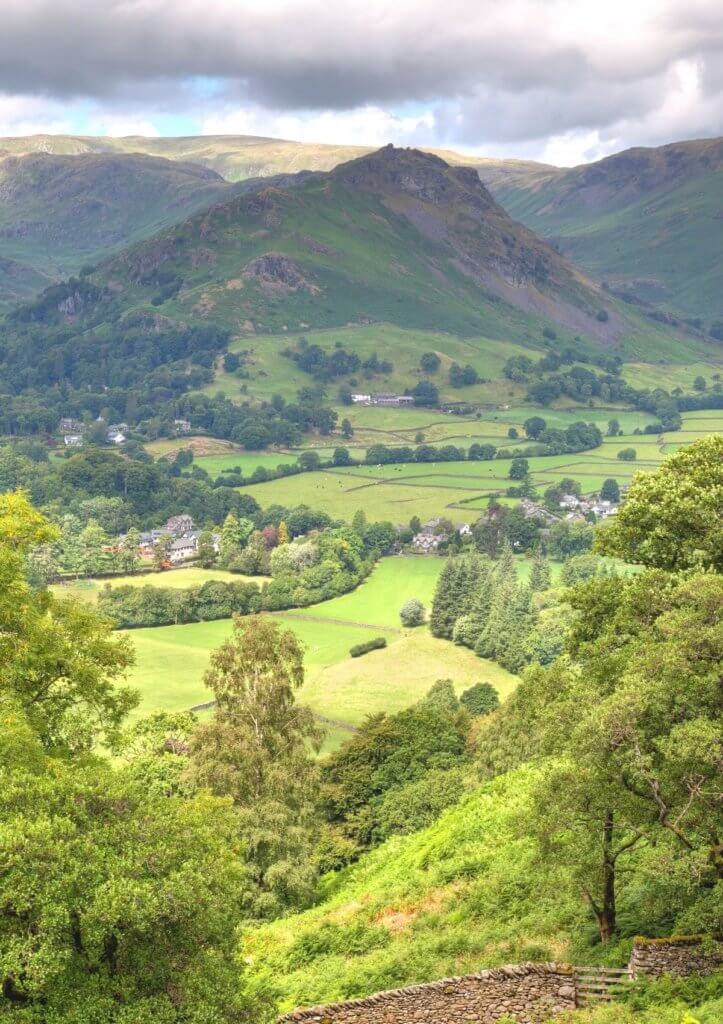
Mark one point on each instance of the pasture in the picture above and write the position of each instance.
(171, 660)
(455, 489)
(178, 579)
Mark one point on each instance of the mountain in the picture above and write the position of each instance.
(397, 236)
(649, 222)
(58, 212)
(236, 157)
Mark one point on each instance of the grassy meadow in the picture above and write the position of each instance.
(178, 579)
(171, 660)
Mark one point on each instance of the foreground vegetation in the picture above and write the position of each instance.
(183, 871)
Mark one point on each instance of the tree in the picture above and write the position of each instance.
(673, 518)
(513, 433)
(415, 524)
(283, 533)
(425, 393)
(430, 362)
(347, 430)
(128, 554)
(93, 541)
(59, 661)
(534, 426)
(700, 384)
(119, 904)
(255, 751)
(205, 550)
(161, 552)
(519, 469)
(610, 490)
(540, 576)
(565, 539)
(627, 454)
(412, 613)
(614, 428)
(480, 699)
(341, 457)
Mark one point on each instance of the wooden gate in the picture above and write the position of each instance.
(599, 984)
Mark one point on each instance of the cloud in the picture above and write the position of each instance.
(470, 73)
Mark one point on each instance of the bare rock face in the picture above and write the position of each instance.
(276, 270)
(420, 175)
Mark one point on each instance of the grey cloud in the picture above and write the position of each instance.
(492, 70)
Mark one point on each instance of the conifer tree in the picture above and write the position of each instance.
(283, 535)
(540, 574)
(443, 616)
(506, 569)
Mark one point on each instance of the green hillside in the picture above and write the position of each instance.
(647, 221)
(59, 212)
(398, 236)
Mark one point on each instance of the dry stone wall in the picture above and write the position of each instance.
(527, 993)
(682, 956)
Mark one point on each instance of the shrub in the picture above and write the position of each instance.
(412, 613)
(627, 454)
(371, 645)
(480, 699)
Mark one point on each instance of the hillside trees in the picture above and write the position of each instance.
(673, 518)
(254, 750)
(119, 901)
(365, 784)
(58, 660)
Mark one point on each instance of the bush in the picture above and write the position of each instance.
(371, 645)
(627, 454)
(412, 613)
(480, 699)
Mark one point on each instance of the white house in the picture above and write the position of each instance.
(72, 440)
(361, 399)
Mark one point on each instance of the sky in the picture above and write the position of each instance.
(562, 81)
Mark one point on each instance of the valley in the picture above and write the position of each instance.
(359, 572)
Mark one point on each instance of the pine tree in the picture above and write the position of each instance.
(469, 627)
(442, 619)
(506, 568)
(283, 533)
(540, 574)
(490, 639)
(519, 621)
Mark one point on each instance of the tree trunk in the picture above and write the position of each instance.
(606, 915)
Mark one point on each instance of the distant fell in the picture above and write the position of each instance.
(397, 235)
(649, 222)
(58, 212)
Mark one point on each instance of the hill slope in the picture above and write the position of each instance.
(57, 212)
(237, 157)
(648, 221)
(395, 236)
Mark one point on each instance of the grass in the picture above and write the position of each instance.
(457, 489)
(378, 600)
(177, 579)
(461, 895)
(171, 660)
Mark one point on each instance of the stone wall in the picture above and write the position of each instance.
(526, 993)
(686, 955)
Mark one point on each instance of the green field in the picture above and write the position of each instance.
(178, 579)
(454, 489)
(171, 660)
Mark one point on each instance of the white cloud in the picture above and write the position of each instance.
(363, 126)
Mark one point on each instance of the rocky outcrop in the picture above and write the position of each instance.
(275, 269)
